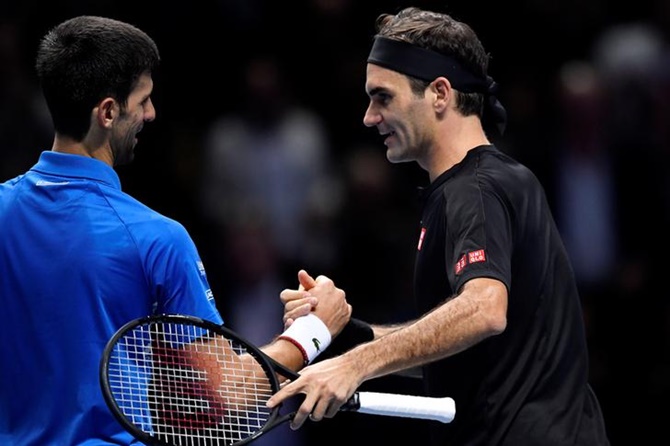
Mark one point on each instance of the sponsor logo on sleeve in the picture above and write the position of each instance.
(201, 268)
(470, 257)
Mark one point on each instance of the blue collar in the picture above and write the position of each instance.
(76, 166)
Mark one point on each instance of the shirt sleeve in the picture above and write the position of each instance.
(480, 236)
(177, 275)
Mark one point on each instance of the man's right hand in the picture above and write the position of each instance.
(320, 296)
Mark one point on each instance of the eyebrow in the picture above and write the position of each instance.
(377, 90)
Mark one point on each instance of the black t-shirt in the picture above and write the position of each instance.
(488, 217)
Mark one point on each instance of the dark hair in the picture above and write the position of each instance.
(85, 59)
(443, 34)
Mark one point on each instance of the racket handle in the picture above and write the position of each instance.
(406, 406)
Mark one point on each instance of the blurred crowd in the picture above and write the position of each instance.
(260, 151)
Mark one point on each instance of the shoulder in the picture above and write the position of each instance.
(503, 167)
(494, 171)
(11, 183)
(488, 174)
(142, 221)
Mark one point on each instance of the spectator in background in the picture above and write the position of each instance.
(585, 178)
(584, 186)
(334, 29)
(377, 222)
(265, 194)
(627, 57)
(266, 166)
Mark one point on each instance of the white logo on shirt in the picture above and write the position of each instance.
(51, 183)
(201, 268)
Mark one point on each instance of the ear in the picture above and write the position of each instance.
(106, 112)
(443, 93)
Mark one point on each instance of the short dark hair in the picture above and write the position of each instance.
(85, 59)
(443, 34)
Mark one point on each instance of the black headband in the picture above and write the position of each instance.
(428, 65)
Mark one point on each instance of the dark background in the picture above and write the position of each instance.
(599, 148)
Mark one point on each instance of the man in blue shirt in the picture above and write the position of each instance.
(79, 258)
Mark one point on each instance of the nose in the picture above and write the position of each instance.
(149, 111)
(371, 117)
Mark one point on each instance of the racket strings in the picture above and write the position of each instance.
(185, 385)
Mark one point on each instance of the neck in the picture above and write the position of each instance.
(453, 142)
(66, 144)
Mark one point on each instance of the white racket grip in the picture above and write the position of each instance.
(408, 406)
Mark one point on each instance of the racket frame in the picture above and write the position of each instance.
(269, 366)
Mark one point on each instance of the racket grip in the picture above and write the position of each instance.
(406, 406)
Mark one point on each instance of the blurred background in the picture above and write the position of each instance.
(260, 151)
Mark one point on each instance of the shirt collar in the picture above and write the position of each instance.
(453, 170)
(76, 166)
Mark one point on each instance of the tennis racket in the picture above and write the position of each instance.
(175, 380)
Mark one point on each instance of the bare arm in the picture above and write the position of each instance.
(477, 313)
(230, 374)
(333, 310)
(300, 302)
(383, 330)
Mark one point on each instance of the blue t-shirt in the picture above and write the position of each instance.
(78, 259)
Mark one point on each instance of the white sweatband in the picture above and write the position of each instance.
(309, 334)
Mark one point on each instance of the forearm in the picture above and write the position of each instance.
(383, 330)
(357, 332)
(354, 333)
(450, 328)
(285, 353)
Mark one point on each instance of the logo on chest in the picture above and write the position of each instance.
(421, 236)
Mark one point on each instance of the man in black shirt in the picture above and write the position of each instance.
(501, 329)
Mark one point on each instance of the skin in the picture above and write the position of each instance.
(112, 137)
(335, 313)
(232, 389)
(430, 131)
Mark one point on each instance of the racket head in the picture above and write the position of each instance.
(162, 396)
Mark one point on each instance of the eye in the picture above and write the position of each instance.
(383, 98)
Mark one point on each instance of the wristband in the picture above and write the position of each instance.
(309, 334)
(354, 333)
